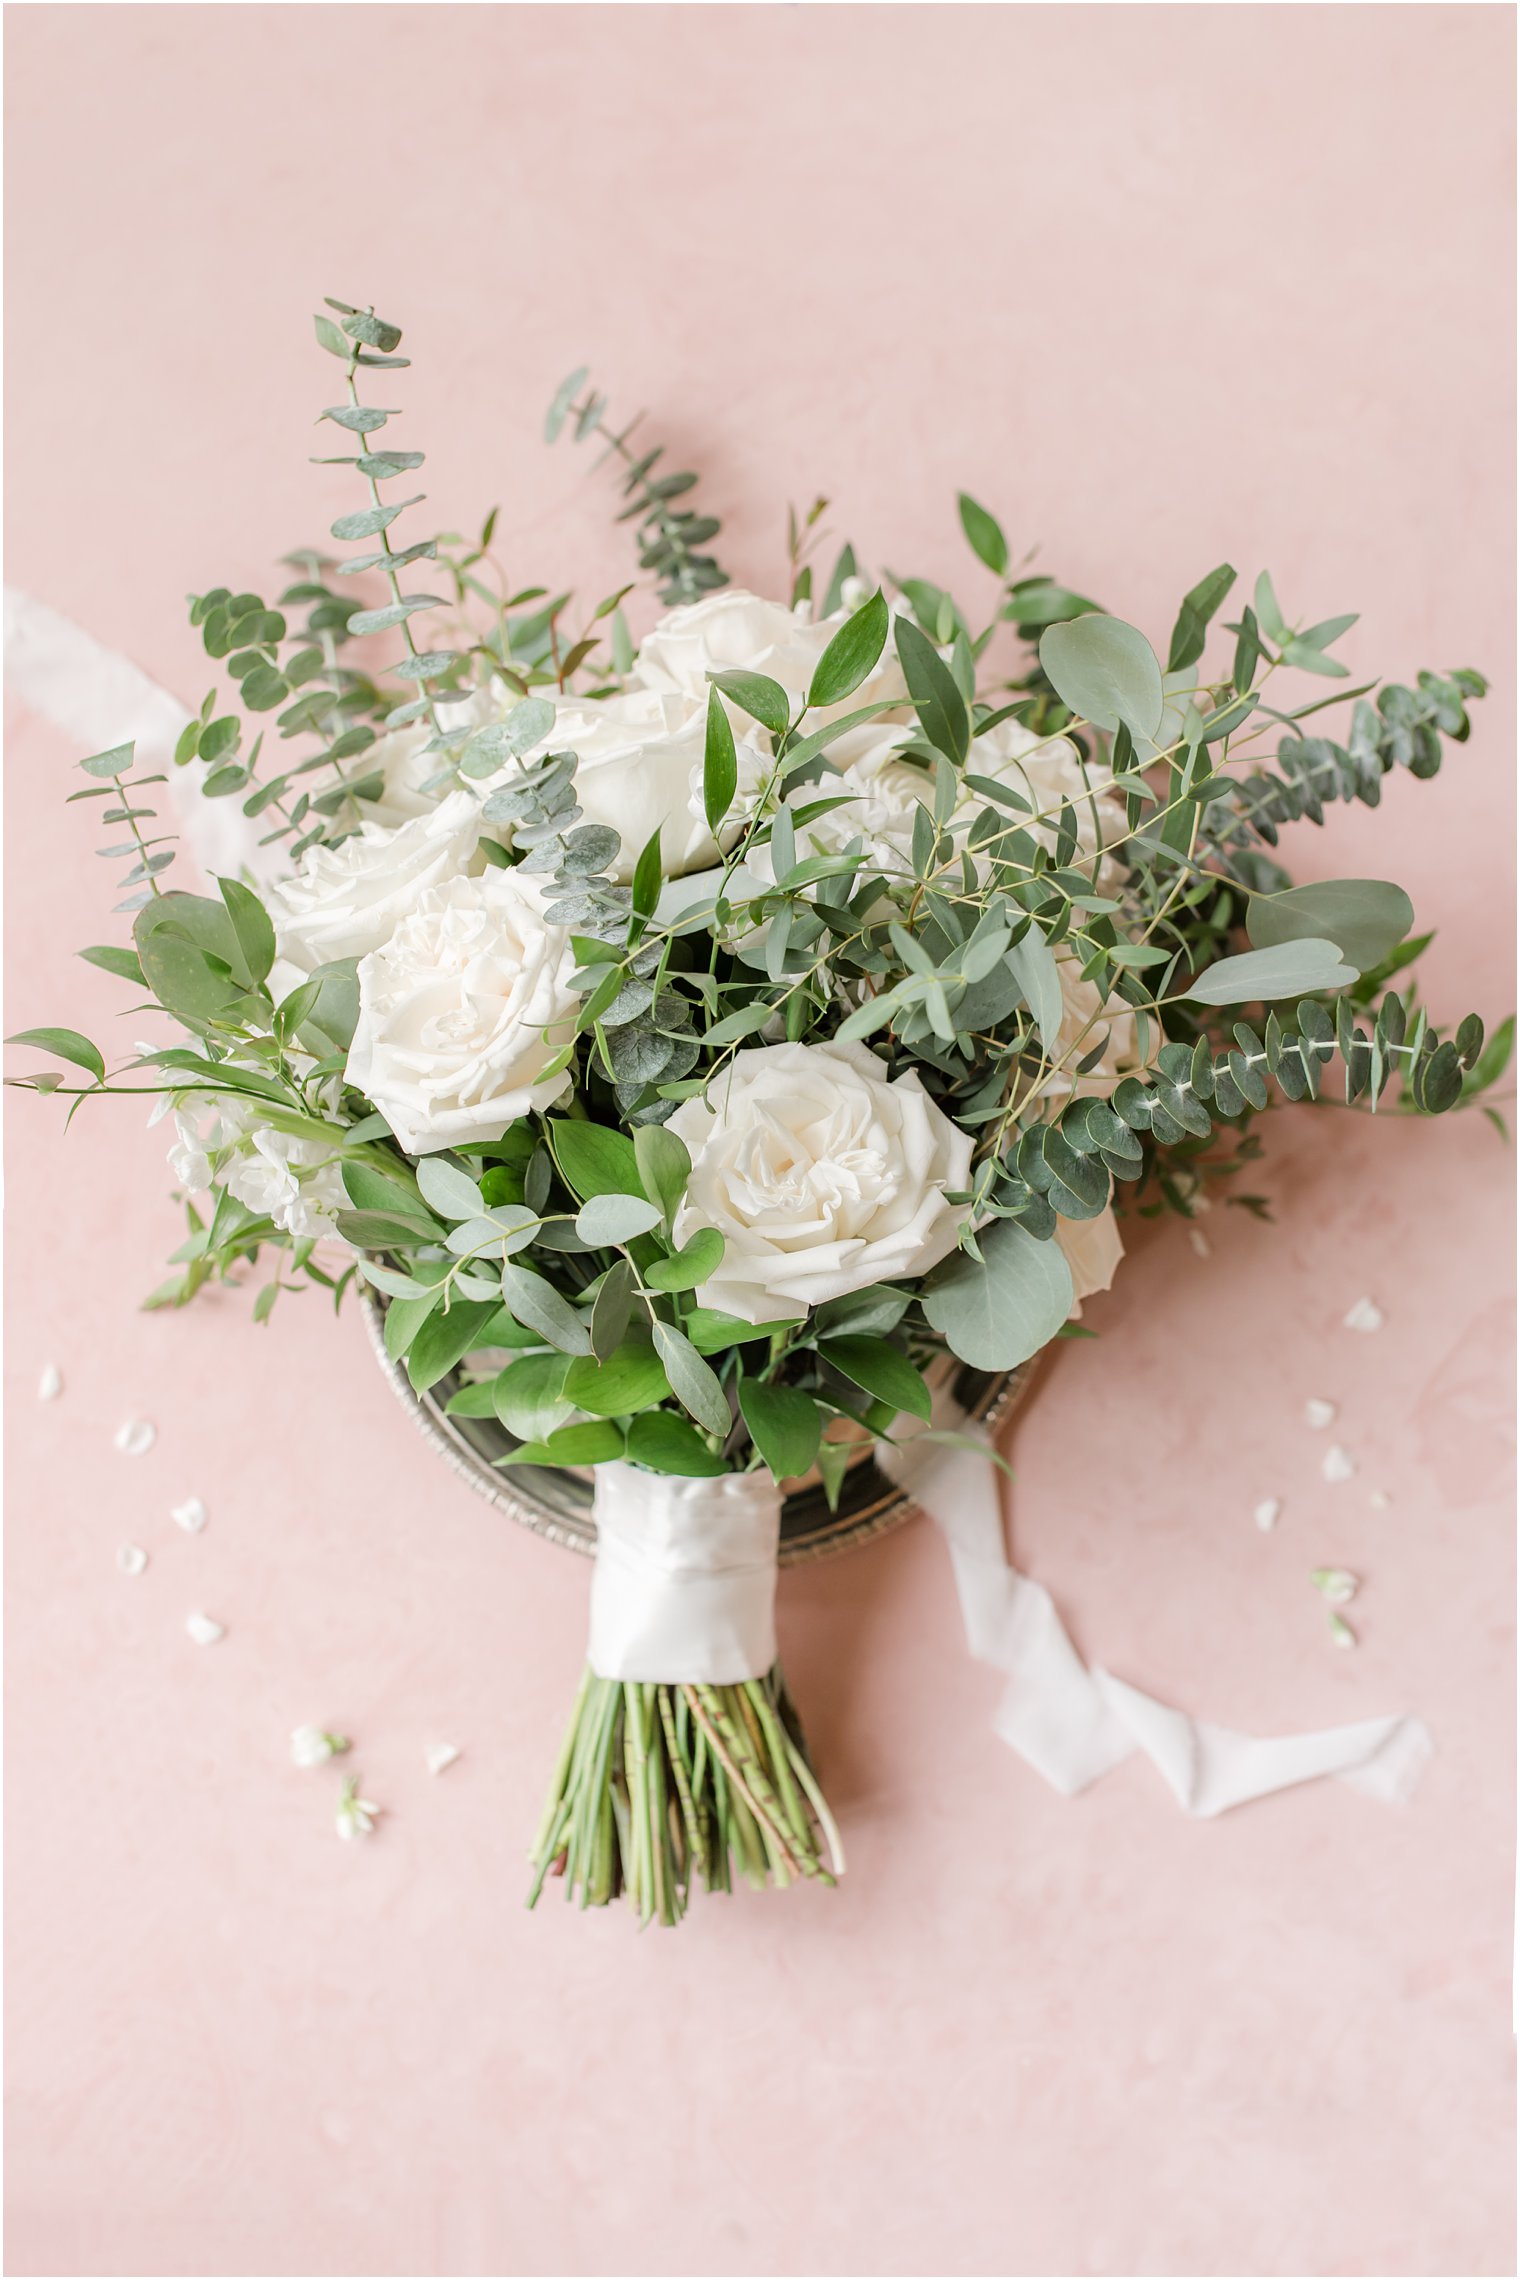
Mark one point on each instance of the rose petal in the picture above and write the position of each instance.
(204, 1630)
(1338, 1463)
(1319, 1414)
(440, 1755)
(1380, 1500)
(131, 1559)
(191, 1515)
(1341, 1631)
(1267, 1513)
(50, 1384)
(136, 1437)
(1364, 1316)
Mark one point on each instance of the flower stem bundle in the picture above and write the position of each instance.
(662, 1788)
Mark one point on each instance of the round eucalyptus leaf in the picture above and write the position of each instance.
(1106, 671)
(997, 1311)
(1288, 969)
(1366, 919)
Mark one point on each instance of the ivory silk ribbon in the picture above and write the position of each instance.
(1072, 1723)
(101, 699)
(660, 1612)
(684, 1586)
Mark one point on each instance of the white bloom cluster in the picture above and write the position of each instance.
(292, 1180)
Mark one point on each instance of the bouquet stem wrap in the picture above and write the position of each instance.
(684, 1758)
(685, 1582)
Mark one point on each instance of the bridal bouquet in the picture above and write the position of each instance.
(702, 1043)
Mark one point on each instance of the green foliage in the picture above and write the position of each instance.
(1101, 984)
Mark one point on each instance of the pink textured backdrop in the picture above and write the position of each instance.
(1159, 285)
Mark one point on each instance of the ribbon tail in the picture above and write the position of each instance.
(98, 699)
(1072, 1724)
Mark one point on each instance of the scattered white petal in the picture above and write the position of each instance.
(50, 1384)
(1200, 1242)
(1338, 1585)
(204, 1631)
(1339, 1464)
(356, 1815)
(1365, 1316)
(440, 1755)
(191, 1515)
(131, 1559)
(1319, 1414)
(313, 1745)
(1341, 1631)
(1380, 1500)
(1267, 1513)
(136, 1437)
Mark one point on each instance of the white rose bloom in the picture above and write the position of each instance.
(460, 1010)
(821, 1174)
(408, 767)
(731, 631)
(735, 631)
(347, 900)
(639, 757)
(1045, 770)
(878, 807)
(1093, 1250)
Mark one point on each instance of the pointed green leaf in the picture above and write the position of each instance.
(852, 653)
(984, 535)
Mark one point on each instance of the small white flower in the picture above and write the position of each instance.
(313, 1745)
(356, 1814)
(1341, 1631)
(440, 1755)
(1336, 1584)
(1267, 1513)
(1338, 1463)
(1319, 1414)
(1364, 1316)
(191, 1515)
(292, 1181)
(136, 1437)
(131, 1559)
(50, 1384)
(204, 1631)
(188, 1160)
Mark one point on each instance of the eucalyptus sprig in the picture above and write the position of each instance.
(670, 538)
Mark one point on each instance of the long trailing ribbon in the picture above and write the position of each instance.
(1073, 1723)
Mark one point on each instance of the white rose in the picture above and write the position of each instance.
(639, 760)
(460, 1010)
(1047, 770)
(735, 631)
(878, 807)
(1093, 1250)
(348, 899)
(728, 632)
(821, 1174)
(407, 767)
